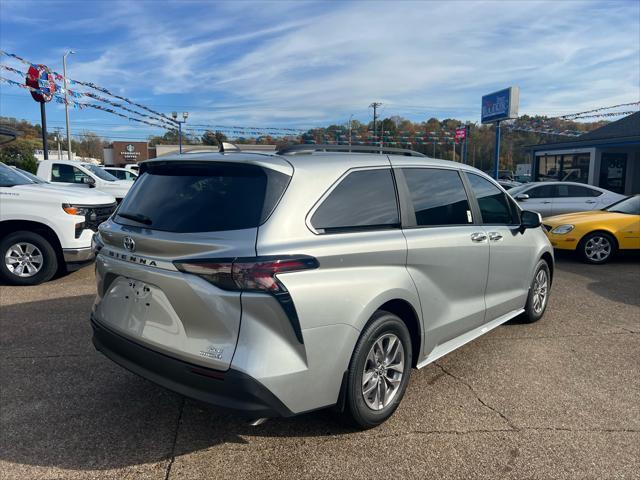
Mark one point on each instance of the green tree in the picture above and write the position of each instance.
(209, 138)
(20, 154)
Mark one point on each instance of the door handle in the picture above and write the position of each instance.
(590, 201)
(494, 236)
(478, 237)
(546, 201)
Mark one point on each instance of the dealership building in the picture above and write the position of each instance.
(608, 157)
(120, 154)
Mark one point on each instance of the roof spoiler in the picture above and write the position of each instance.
(228, 146)
(310, 148)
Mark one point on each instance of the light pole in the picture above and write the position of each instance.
(185, 115)
(350, 117)
(66, 100)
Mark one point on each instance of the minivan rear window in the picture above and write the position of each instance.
(189, 198)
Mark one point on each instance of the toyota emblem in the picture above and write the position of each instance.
(129, 244)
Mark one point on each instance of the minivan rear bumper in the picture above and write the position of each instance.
(230, 389)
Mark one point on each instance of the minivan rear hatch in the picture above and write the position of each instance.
(184, 212)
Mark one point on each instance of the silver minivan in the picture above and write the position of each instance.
(277, 284)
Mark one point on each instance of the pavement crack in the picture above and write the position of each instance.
(172, 456)
(472, 390)
(60, 355)
(539, 337)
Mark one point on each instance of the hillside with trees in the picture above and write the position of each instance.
(432, 137)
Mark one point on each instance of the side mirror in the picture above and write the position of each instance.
(522, 196)
(89, 181)
(529, 219)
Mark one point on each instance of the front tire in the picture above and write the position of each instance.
(27, 258)
(597, 247)
(538, 293)
(379, 370)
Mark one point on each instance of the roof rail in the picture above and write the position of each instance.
(310, 148)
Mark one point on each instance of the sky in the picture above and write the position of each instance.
(304, 64)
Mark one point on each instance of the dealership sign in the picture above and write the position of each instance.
(501, 105)
(41, 80)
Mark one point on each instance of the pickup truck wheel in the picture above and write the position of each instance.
(27, 258)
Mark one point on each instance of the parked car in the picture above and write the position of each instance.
(556, 198)
(80, 174)
(522, 178)
(132, 167)
(121, 173)
(508, 184)
(280, 284)
(44, 227)
(598, 235)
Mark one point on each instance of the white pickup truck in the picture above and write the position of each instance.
(44, 227)
(80, 174)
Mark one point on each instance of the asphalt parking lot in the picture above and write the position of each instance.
(556, 399)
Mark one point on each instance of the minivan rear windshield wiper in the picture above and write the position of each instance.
(137, 217)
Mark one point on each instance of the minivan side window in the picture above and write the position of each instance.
(438, 196)
(493, 202)
(364, 199)
(61, 172)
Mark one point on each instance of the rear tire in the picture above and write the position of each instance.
(27, 258)
(379, 371)
(538, 298)
(597, 247)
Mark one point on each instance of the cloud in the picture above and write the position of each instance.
(308, 63)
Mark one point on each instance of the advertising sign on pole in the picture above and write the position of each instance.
(496, 107)
(40, 79)
(461, 133)
(500, 105)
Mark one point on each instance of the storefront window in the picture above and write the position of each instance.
(566, 168)
(575, 168)
(548, 168)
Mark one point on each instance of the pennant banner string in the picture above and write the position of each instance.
(59, 77)
(60, 99)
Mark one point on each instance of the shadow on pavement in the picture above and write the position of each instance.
(607, 280)
(65, 405)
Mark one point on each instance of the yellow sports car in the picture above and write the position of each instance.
(597, 235)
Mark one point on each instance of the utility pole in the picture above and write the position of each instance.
(375, 106)
(66, 100)
(58, 140)
(350, 117)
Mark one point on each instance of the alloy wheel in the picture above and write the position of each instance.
(23, 259)
(383, 371)
(540, 290)
(597, 248)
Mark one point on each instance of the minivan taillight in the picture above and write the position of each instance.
(253, 274)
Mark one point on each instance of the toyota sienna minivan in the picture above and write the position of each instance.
(277, 284)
